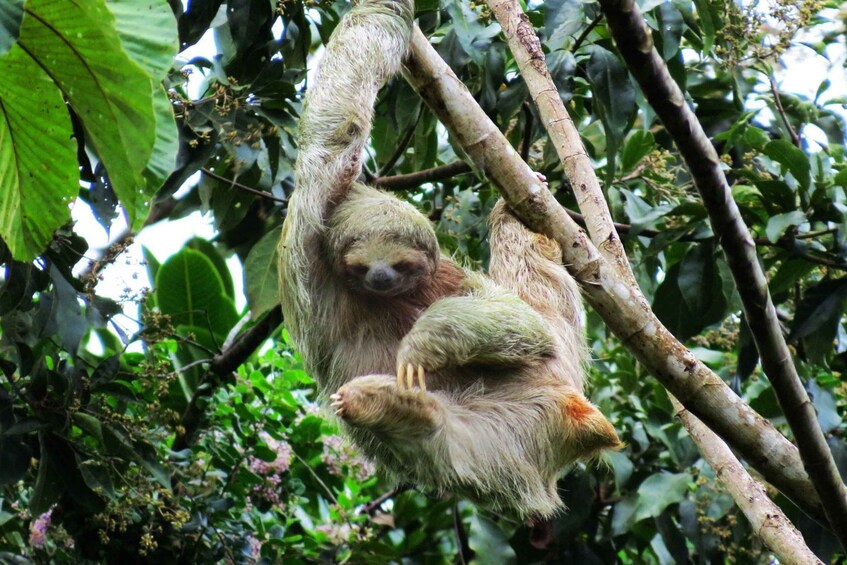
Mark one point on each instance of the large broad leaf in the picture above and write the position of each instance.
(148, 33)
(562, 19)
(11, 15)
(779, 224)
(659, 491)
(818, 315)
(260, 274)
(78, 46)
(473, 35)
(489, 542)
(707, 24)
(38, 167)
(791, 158)
(189, 289)
(707, 296)
(614, 93)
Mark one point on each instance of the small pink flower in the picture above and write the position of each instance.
(38, 530)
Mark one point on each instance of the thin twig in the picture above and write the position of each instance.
(795, 139)
(401, 147)
(584, 35)
(243, 187)
(374, 504)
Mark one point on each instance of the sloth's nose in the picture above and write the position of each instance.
(382, 278)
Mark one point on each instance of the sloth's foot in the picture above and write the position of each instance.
(406, 373)
(375, 402)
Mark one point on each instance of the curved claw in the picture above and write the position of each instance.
(408, 374)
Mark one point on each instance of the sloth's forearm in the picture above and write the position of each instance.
(456, 331)
(366, 48)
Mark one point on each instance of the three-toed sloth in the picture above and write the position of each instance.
(448, 379)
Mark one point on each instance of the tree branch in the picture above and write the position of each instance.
(413, 180)
(220, 369)
(526, 48)
(623, 308)
(635, 44)
(765, 517)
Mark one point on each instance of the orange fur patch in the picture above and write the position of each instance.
(577, 408)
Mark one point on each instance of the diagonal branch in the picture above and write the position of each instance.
(526, 48)
(623, 308)
(765, 517)
(220, 368)
(635, 44)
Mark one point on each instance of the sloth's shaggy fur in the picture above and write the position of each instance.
(365, 290)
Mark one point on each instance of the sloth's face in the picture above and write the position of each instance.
(386, 268)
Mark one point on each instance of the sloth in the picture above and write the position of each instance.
(449, 380)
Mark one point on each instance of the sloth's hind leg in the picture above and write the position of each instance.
(375, 402)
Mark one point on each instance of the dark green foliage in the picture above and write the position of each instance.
(196, 440)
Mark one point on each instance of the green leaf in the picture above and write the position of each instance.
(26, 426)
(118, 443)
(825, 406)
(697, 275)
(78, 46)
(96, 476)
(673, 310)
(791, 158)
(777, 195)
(34, 190)
(788, 274)
(260, 274)
(659, 491)
(670, 29)
(208, 249)
(562, 19)
(756, 138)
(48, 483)
(489, 543)
(473, 35)
(163, 157)
(614, 93)
(820, 304)
(90, 424)
(189, 289)
(638, 146)
(11, 15)
(148, 33)
(707, 24)
(64, 315)
(779, 224)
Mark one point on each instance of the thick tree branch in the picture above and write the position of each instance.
(220, 369)
(765, 517)
(623, 307)
(413, 180)
(529, 56)
(635, 44)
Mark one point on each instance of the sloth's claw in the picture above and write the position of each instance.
(408, 376)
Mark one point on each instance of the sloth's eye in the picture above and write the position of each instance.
(403, 266)
(358, 270)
